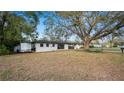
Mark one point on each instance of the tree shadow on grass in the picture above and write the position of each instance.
(90, 50)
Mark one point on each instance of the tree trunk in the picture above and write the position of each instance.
(86, 45)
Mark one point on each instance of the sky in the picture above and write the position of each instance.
(40, 27)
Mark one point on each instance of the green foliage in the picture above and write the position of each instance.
(114, 45)
(91, 46)
(3, 50)
(94, 50)
(14, 26)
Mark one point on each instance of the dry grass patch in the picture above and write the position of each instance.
(62, 65)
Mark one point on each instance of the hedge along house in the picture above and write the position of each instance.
(44, 46)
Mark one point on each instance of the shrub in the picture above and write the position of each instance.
(91, 46)
(96, 50)
(114, 45)
(3, 50)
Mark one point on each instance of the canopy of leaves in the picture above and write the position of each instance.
(53, 31)
(94, 25)
(88, 25)
(14, 24)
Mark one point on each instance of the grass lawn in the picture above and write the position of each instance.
(62, 65)
(109, 50)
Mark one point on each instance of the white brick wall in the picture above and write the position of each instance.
(65, 46)
(77, 46)
(45, 48)
(25, 47)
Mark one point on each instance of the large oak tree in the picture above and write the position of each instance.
(90, 26)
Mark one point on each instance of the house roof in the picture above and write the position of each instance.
(55, 42)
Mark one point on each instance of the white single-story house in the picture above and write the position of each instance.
(23, 47)
(44, 46)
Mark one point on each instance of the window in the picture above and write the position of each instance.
(41, 45)
(47, 45)
(53, 45)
